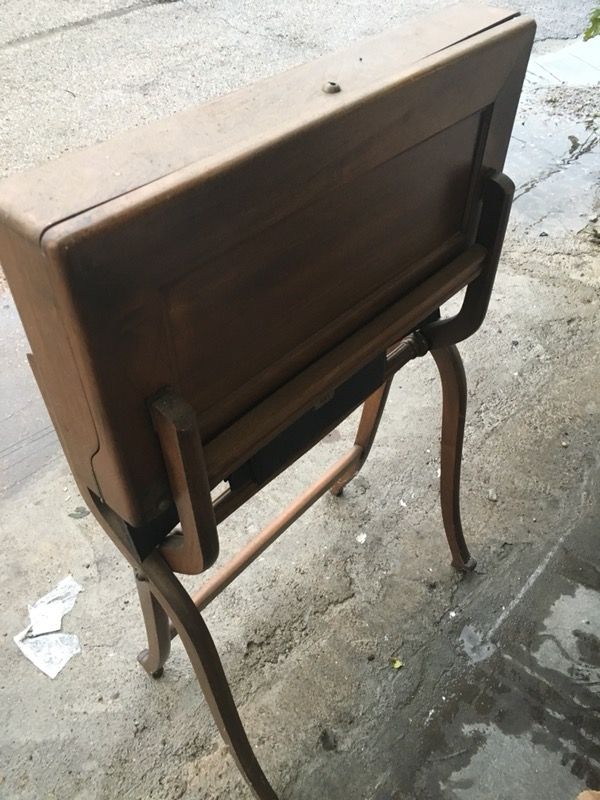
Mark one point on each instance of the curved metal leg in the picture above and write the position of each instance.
(157, 629)
(367, 430)
(177, 605)
(205, 660)
(454, 393)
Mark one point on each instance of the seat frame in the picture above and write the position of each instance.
(170, 611)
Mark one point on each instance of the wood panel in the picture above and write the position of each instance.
(289, 220)
(296, 281)
(34, 200)
(56, 370)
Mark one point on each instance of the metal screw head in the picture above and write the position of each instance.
(331, 87)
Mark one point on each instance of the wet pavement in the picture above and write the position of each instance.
(554, 159)
(523, 718)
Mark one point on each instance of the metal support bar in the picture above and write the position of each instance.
(213, 587)
(397, 356)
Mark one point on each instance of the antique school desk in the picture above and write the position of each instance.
(208, 296)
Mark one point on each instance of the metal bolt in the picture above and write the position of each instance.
(331, 87)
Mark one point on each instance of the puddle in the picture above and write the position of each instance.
(521, 716)
(562, 203)
(542, 144)
(505, 767)
(474, 645)
(555, 164)
(554, 160)
(571, 638)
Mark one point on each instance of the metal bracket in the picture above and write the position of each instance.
(497, 195)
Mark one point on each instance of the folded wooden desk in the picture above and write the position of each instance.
(208, 296)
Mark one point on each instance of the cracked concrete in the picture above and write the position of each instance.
(498, 695)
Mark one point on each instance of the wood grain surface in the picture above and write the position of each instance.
(227, 251)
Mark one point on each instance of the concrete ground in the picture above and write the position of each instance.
(498, 693)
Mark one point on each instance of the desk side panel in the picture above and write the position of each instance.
(56, 371)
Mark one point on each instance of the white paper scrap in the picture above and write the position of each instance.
(43, 642)
(46, 613)
(50, 652)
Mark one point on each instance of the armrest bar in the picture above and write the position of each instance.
(498, 193)
(197, 547)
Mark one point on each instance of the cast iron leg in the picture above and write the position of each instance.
(157, 629)
(205, 660)
(454, 394)
(367, 430)
(177, 605)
